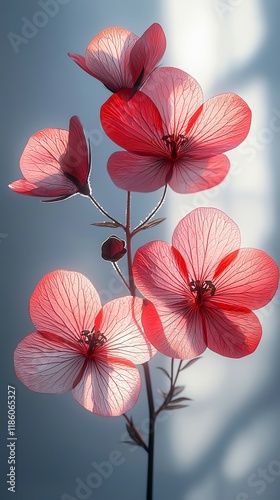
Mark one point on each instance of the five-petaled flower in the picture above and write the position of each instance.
(81, 346)
(171, 136)
(201, 290)
(120, 59)
(55, 163)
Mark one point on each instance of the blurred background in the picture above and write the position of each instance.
(226, 445)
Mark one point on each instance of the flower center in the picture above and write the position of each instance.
(92, 339)
(200, 289)
(174, 143)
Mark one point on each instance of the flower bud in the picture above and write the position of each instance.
(113, 249)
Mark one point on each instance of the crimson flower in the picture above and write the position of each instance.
(171, 136)
(81, 346)
(120, 59)
(55, 163)
(203, 288)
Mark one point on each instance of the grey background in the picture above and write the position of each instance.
(231, 431)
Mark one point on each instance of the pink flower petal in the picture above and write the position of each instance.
(133, 123)
(176, 95)
(147, 52)
(108, 389)
(75, 162)
(81, 61)
(250, 280)
(222, 124)
(175, 331)
(39, 162)
(122, 327)
(138, 173)
(65, 303)
(190, 175)
(233, 333)
(160, 274)
(47, 365)
(107, 58)
(203, 238)
(24, 187)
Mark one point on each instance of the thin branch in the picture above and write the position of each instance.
(154, 211)
(99, 207)
(118, 271)
(132, 287)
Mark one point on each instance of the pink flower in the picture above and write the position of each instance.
(171, 136)
(120, 59)
(55, 163)
(81, 346)
(203, 288)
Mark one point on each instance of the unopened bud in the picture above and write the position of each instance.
(113, 249)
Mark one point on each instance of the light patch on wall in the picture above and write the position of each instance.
(252, 441)
(245, 37)
(192, 37)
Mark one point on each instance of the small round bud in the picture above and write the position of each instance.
(113, 249)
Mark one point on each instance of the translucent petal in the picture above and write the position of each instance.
(223, 122)
(190, 175)
(65, 303)
(231, 332)
(122, 327)
(24, 187)
(147, 52)
(108, 389)
(250, 280)
(39, 162)
(75, 162)
(47, 365)
(134, 123)
(176, 95)
(175, 331)
(203, 238)
(81, 61)
(138, 173)
(107, 57)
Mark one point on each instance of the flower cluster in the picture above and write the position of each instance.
(199, 291)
